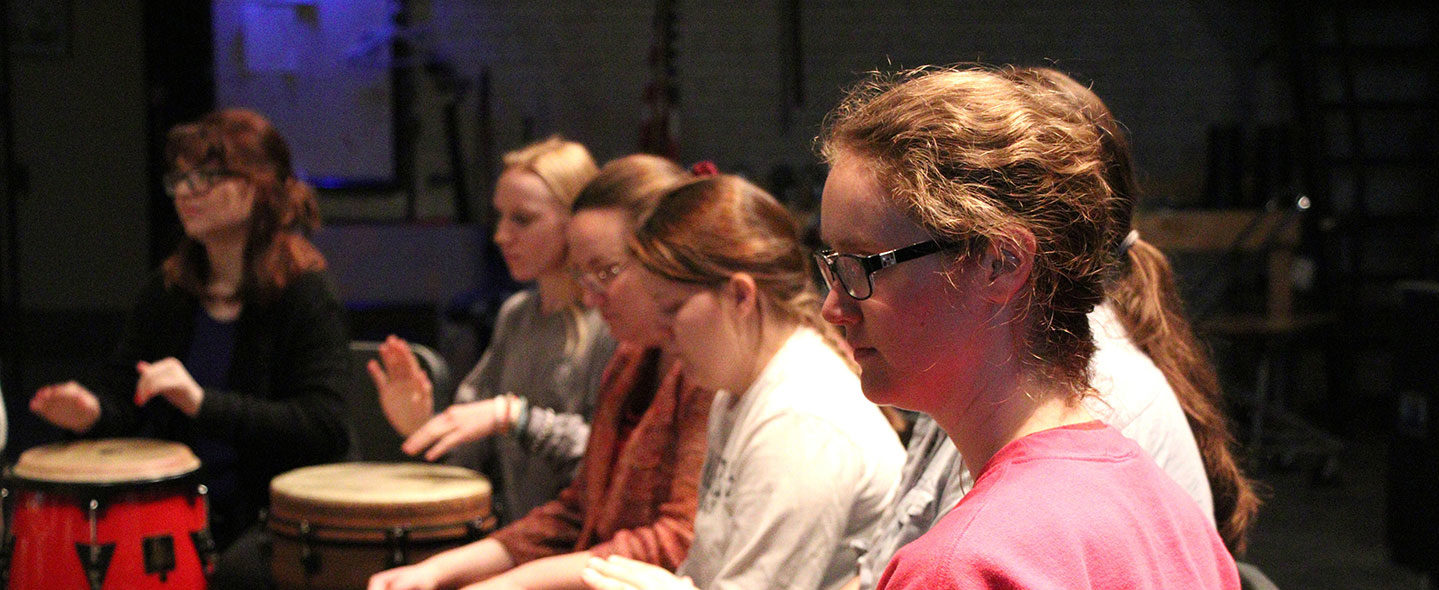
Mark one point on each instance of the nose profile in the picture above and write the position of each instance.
(838, 309)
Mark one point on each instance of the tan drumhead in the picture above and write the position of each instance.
(380, 494)
(111, 460)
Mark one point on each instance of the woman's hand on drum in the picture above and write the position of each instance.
(67, 405)
(619, 573)
(168, 378)
(410, 577)
(406, 394)
(458, 424)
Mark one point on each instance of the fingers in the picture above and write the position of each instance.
(449, 441)
(610, 574)
(168, 378)
(407, 359)
(377, 374)
(67, 405)
(401, 367)
(42, 398)
(428, 433)
(598, 581)
(398, 358)
(380, 581)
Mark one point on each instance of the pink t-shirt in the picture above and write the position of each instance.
(1068, 508)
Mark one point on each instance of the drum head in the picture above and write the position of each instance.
(363, 495)
(107, 461)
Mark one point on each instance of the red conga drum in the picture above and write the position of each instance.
(334, 526)
(107, 514)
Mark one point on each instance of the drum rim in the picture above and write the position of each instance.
(45, 462)
(21, 483)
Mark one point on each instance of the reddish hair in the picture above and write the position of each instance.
(242, 143)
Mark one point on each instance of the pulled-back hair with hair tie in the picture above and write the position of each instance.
(970, 156)
(1146, 300)
(710, 229)
(242, 143)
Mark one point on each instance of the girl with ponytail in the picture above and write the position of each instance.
(1144, 299)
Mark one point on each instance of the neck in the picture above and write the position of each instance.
(1013, 402)
(556, 290)
(227, 265)
(767, 341)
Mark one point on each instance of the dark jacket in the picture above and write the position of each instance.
(284, 404)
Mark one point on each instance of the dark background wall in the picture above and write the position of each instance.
(1228, 103)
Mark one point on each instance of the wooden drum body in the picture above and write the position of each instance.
(334, 526)
(107, 514)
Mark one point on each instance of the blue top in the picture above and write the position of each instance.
(209, 361)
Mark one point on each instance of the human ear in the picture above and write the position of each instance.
(742, 292)
(1008, 264)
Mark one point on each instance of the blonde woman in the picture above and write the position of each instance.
(536, 383)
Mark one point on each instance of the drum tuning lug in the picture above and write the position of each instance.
(398, 538)
(309, 559)
(94, 525)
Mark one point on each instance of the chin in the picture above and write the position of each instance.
(882, 390)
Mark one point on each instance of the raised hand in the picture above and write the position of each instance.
(406, 394)
(67, 405)
(168, 378)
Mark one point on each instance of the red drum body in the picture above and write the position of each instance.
(107, 515)
(334, 526)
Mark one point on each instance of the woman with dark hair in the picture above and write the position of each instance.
(237, 346)
(635, 492)
(993, 204)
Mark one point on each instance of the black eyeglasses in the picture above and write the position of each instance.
(853, 271)
(198, 181)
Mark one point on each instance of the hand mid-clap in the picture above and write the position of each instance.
(71, 406)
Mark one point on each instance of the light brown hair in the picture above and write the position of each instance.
(1144, 296)
(632, 184)
(242, 143)
(969, 155)
(710, 229)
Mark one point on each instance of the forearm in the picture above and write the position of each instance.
(560, 572)
(470, 563)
